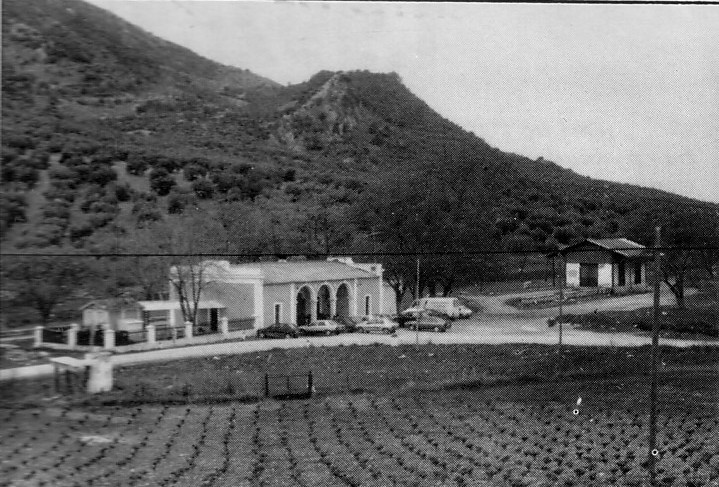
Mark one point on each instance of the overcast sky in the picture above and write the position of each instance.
(621, 92)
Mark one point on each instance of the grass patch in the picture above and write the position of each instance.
(379, 369)
(698, 319)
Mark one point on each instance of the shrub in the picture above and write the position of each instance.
(203, 188)
(226, 180)
(177, 201)
(136, 164)
(161, 182)
(80, 231)
(146, 212)
(12, 210)
(703, 321)
(194, 171)
(22, 142)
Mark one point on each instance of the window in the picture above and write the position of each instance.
(637, 273)
(278, 312)
(367, 305)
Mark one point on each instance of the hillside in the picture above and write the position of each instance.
(107, 128)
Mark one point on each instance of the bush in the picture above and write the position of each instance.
(194, 171)
(177, 201)
(146, 212)
(169, 165)
(203, 188)
(101, 175)
(161, 182)
(702, 321)
(80, 231)
(22, 142)
(12, 210)
(20, 171)
(137, 164)
(122, 192)
(225, 180)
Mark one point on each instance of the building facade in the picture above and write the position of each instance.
(616, 263)
(293, 292)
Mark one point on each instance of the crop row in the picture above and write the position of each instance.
(432, 439)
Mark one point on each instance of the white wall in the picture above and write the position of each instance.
(390, 305)
(605, 275)
(572, 274)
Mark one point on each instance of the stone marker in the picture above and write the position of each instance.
(100, 379)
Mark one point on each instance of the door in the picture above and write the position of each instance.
(621, 274)
(213, 319)
(588, 275)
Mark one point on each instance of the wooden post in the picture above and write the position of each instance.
(267, 385)
(310, 384)
(563, 272)
(655, 357)
(419, 315)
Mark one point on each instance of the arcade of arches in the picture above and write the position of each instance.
(327, 303)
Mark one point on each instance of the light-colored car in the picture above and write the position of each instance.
(378, 324)
(320, 327)
(464, 312)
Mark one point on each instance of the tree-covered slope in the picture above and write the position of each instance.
(107, 128)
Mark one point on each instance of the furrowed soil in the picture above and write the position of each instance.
(522, 430)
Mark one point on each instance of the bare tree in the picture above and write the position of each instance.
(183, 243)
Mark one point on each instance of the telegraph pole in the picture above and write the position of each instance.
(563, 272)
(416, 298)
(653, 452)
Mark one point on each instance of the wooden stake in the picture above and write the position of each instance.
(653, 454)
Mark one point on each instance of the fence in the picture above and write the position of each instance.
(84, 338)
(74, 338)
(54, 335)
(289, 386)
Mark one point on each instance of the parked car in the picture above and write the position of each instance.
(464, 312)
(320, 327)
(347, 323)
(447, 306)
(380, 324)
(410, 315)
(429, 322)
(278, 330)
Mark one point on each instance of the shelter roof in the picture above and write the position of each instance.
(618, 245)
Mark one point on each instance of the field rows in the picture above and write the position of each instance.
(432, 439)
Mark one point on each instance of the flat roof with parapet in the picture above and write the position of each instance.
(305, 271)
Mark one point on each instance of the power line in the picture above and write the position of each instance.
(333, 254)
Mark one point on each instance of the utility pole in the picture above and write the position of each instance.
(416, 298)
(563, 272)
(653, 452)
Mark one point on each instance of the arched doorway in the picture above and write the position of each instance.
(304, 305)
(343, 300)
(324, 310)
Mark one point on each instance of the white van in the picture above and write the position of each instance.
(447, 306)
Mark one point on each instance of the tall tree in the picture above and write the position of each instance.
(685, 229)
(44, 282)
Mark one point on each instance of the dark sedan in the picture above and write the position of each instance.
(278, 330)
(428, 322)
(409, 316)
